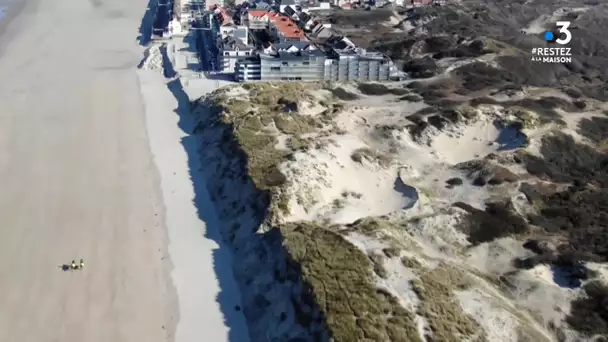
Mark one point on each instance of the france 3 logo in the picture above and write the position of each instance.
(562, 36)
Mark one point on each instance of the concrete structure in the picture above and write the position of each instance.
(247, 70)
(163, 16)
(288, 66)
(353, 65)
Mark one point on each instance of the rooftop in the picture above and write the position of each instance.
(230, 43)
(285, 25)
(224, 16)
(298, 45)
(284, 55)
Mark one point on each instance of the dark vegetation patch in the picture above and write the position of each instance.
(454, 181)
(343, 94)
(411, 98)
(575, 219)
(438, 117)
(595, 129)
(421, 67)
(497, 220)
(581, 215)
(483, 172)
(478, 76)
(566, 161)
(438, 92)
(377, 89)
(589, 313)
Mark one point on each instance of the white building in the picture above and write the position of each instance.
(235, 46)
(175, 28)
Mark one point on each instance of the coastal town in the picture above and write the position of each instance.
(277, 41)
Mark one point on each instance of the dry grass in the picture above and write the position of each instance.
(378, 262)
(344, 94)
(435, 288)
(256, 119)
(527, 118)
(377, 89)
(342, 281)
(374, 156)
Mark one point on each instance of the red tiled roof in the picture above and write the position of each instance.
(226, 19)
(257, 13)
(286, 26)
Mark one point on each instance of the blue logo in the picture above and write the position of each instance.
(551, 36)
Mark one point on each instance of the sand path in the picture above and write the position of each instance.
(77, 179)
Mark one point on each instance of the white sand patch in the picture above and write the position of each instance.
(329, 184)
(535, 291)
(496, 257)
(471, 142)
(496, 321)
(281, 142)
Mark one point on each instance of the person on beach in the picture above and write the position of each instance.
(81, 263)
(74, 267)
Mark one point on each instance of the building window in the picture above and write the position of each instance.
(298, 78)
(305, 63)
(226, 53)
(275, 68)
(285, 63)
(247, 53)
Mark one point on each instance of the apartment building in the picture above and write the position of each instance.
(233, 48)
(292, 66)
(248, 69)
(356, 65)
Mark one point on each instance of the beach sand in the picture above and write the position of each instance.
(208, 295)
(77, 179)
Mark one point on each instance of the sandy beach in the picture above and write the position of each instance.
(208, 295)
(78, 180)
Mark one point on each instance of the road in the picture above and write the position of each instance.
(77, 179)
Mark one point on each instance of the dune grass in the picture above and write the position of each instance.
(341, 277)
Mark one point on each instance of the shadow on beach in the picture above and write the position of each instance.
(147, 23)
(265, 249)
(222, 264)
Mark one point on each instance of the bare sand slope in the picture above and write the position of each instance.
(77, 179)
